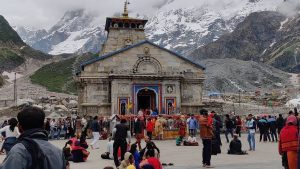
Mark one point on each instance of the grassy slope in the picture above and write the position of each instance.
(58, 77)
(9, 59)
(55, 75)
(1, 81)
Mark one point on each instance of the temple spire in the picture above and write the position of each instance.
(125, 14)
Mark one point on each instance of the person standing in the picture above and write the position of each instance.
(238, 124)
(78, 127)
(138, 131)
(288, 141)
(159, 127)
(206, 135)
(272, 124)
(150, 128)
(181, 125)
(279, 123)
(33, 149)
(96, 133)
(229, 127)
(251, 127)
(119, 134)
(47, 125)
(52, 128)
(217, 123)
(193, 124)
(11, 133)
(89, 127)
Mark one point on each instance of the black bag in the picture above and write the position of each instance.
(215, 147)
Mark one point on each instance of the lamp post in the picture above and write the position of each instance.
(15, 89)
(239, 99)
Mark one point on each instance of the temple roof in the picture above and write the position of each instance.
(135, 45)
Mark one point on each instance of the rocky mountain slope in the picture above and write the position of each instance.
(268, 37)
(232, 75)
(19, 60)
(178, 25)
(13, 51)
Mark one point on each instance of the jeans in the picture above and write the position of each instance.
(96, 137)
(267, 136)
(227, 131)
(192, 132)
(119, 144)
(273, 134)
(206, 153)
(251, 140)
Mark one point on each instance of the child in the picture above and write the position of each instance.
(136, 155)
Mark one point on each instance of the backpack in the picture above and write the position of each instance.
(38, 158)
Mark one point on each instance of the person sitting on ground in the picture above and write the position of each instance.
(235, 146)
(191, 141)
(83, 142)
(150, 145)
(179, 141)
(67, 151)
(150, 159)
(79, 154)
(110, 150)
(33, 149)
(136, 155)
(131, 163)
(128, 157)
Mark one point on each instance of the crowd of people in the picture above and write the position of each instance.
(26, 138)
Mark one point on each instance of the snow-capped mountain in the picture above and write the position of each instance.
(184, 29)
(178, 25)
(75, 32)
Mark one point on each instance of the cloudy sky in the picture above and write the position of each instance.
(45, 13)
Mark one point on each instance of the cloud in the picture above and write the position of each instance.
(45, 13)
(290, 7)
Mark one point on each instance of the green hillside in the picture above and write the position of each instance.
(58, 76)
(1, 81)
(13, 51)
(8, 34)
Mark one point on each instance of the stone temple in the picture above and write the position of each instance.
(133, 74)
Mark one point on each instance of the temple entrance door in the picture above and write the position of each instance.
(146, 99)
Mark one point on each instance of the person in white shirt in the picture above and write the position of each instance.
(12, 133)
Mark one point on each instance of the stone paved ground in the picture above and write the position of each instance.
(266, 156)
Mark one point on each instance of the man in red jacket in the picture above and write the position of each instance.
(206, 134)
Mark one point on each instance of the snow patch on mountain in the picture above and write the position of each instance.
(71, 44)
